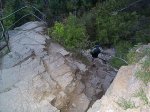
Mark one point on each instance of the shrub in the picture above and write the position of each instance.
(122, 48)
(113, 28)
(88, 19)
(75, 33)
(143, 35)
(58, 31)
(72, 33)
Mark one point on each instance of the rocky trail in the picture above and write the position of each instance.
(39, 75)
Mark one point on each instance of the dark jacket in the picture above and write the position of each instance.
(95, 51)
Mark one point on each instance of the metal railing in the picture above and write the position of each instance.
(4, 38)
(4, 33)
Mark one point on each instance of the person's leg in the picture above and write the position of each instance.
(104, 61)
(93, 62)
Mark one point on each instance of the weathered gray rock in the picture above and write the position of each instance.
(26, 70)
(80, 104)
(31, 25)
(29, 95)
(61, 100)
(25, 84)
(125, 86)
(35, 76)
(24, 42)
(59, 71)
(56, 48)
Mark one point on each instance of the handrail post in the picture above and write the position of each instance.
(5, 34)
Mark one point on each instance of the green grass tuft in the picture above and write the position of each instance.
(142, 95)
(116, 63)
(144, 73)
(126, 104)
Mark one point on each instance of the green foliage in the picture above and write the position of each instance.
(17, 5)
(133, 56)
(122, 30)
(143, 35)
(146, 51)
(122, 49)
(144, 73)
(142, 95)
(58, 31)
(126, 104)
(75, 35)
(8, 9)
(101, 24)
(116, 63)
(72, 33)
(12, 5)
(88, 19)
(144, 76)
(145, 12)
(112, 28)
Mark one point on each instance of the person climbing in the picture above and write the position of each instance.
(96, 51)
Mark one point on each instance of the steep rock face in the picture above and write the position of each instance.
(127, 93)
(38, 75)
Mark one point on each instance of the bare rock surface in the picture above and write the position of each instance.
(40, 75)
(80, 103)
(13, 75)
(37, 74)
(127, 93)
(24, 42)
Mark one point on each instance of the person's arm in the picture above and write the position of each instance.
(101, 50)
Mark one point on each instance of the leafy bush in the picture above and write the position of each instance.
(143, 36)
(72, 33)
(122, 48)
(89, 20)
(58, 31)
(112, 28)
